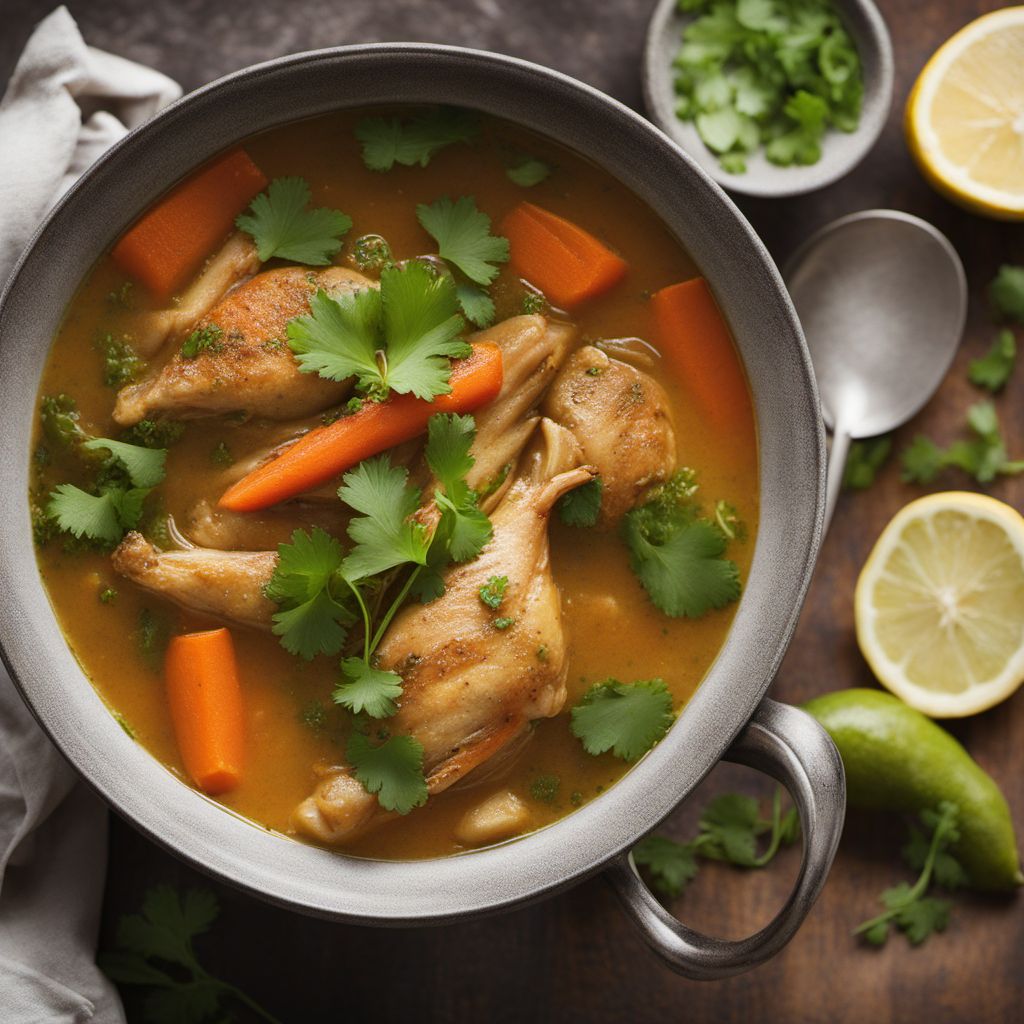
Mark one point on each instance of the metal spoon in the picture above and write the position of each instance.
(882, 297)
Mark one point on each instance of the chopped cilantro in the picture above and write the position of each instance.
(503, 622)
(152, 636)
(281, 226)
(528, 172)
(545, 788)
(492, 593)
(728, 521)
(314, 716)
(61, 421)
(625, 718)
(400, 338)
(864, 461)
(121, 364)
(1007, 293)
(372, 252)
(108, 595)
(202, 339)
(543, 653)
(993, 370)
(413, 140)
(393, 770)
(984, 456)
(154, 433)
(582, 505)
(220, 455)
(533, 303)
(463, 236)
(772, 73)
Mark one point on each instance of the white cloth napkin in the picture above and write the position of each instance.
(64, 105)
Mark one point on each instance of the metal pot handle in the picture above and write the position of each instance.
(790, 746)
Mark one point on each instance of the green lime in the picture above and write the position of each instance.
(896, 759)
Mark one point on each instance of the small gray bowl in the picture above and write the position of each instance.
(841, 151)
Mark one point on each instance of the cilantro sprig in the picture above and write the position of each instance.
(677, 554)
(993, 370)
(730, 829)
(281, 225)
(155, 951)
(624, 718)
(399, 338)
(864, 461)
(1007, 293)
(415, 140)
(908, 907)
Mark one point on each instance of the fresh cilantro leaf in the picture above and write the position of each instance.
(372, 252)
(993, 370)
(281, 226)
(801, 144)
(492, 593)
(582, 505)
(476, 304)
(311, 620)
(202, 339)
(415, 140)
(164, 932)
(686, 575)
(121, 363)
(449, 440)
(384, 535)
(393, 770)
(729, 827)
(101, 517)
(671, 865)
(864, 461)
(368, 689)
(528, 172)
(464, 529)
(1007, 293)
(145, 466)
(625, 718)
(463, 236)
(398, 339)
(921, 918)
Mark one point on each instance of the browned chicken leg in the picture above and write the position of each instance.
(248, 365)
(470, 687)
(620, 416)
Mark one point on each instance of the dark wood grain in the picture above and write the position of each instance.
(575, 957)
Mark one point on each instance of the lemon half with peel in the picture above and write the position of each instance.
(965, 116)
(939, 605)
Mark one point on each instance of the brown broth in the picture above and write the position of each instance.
(613, 628)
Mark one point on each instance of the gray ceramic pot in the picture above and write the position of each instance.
(729, 716)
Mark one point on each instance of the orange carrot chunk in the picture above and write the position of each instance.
(169, 243)
(206, 708)
(325, 452)
(561, 259)
(695, 341)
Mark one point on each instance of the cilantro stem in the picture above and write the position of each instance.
(366, 618)
(249, 1002)
(395, 605)
(776, 839)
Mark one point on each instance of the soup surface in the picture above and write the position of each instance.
(119, 613)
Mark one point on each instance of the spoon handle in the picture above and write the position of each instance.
(836, 467)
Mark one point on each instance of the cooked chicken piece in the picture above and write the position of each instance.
(620, 416)
(236, 260)
(500, 816)
(249, 365)
(532, 350)
(227, 584)
(471, 688)
(213, 527)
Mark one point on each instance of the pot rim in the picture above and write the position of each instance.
(123, 182)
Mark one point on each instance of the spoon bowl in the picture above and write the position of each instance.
(882, 297)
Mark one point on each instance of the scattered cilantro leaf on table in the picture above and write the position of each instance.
(400, 338)
(413, 140)
(625, 718)
(908, 907)
(393, 770)
(993, 370)
(864, 460)
(582, 505)
(281, 225)
(984, 456)
(1007, 293)
(671, 865)
(528, 172)
(155, 950)
(463, 236)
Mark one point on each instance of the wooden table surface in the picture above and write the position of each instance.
(575, 957)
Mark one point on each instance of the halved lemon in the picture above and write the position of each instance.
(965, 116)
(940, 604)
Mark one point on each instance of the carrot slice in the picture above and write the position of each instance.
(325, 452)
(695, 341)
(168, 243)
(561, 259)
(206, 708)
